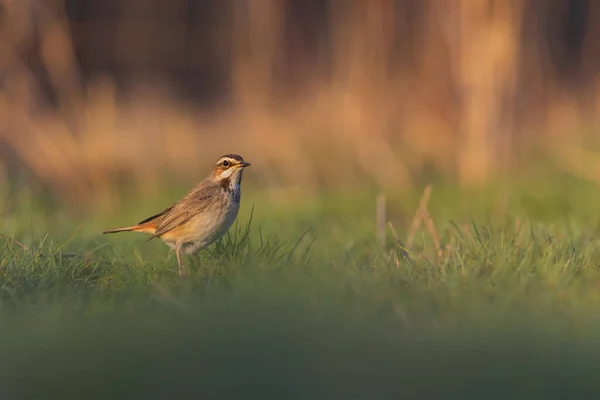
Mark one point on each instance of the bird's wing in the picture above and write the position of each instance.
(191, 205)
(156, 216)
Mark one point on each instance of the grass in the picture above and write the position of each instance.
(301, 301)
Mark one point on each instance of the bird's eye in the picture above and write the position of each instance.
(225, 163)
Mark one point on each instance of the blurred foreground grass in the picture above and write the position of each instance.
(302, 302)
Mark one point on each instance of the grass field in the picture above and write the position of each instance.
(301, 301)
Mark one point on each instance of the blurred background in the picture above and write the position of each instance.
(97, 95)
(114, 108)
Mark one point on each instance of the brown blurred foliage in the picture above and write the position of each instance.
(315, 92)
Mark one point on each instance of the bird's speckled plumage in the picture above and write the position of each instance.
(203, 215)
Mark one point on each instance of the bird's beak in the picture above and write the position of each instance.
(245, 164)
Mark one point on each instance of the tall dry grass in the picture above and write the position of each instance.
(327, 93)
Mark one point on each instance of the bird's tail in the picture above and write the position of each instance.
(134, 228)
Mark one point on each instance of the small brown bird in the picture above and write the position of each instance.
(203, 215)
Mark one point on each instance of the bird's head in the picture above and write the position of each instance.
(228, 170)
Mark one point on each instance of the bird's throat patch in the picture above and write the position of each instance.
(226, 183)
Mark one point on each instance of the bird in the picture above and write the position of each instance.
(202, 216)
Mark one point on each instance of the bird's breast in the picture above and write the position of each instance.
(211, 225)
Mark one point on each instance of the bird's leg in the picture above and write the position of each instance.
(179, 263)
